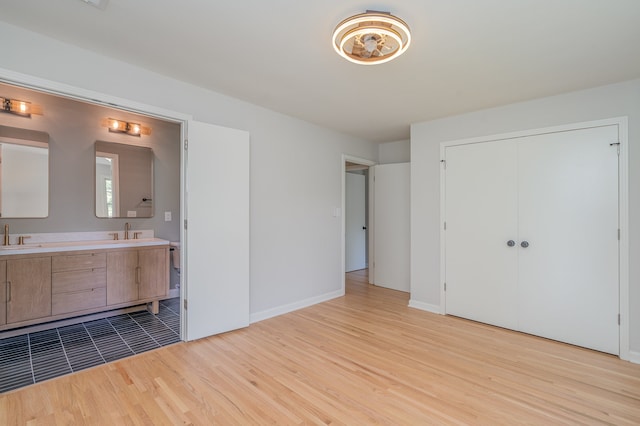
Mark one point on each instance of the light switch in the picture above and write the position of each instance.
(167, 216)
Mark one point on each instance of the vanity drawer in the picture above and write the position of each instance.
(74, 262)
(74, 281)
(74, 301)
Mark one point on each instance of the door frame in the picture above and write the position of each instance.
(356, 202)
(343, 227)
(623, 209)
(102, 99)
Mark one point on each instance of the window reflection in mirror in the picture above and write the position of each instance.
(24, 173)
(124, 180)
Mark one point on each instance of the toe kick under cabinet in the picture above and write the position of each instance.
(38, 288)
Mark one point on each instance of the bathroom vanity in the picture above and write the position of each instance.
(49, 281)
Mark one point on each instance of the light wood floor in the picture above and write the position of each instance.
(361, 359)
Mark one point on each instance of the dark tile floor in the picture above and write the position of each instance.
(34, 357)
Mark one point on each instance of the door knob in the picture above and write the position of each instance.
(524, 244)
(511, 243)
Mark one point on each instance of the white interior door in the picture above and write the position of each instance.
(217, 235)
(568, 213)
(355, 222)
(481, 218)
(392, 227)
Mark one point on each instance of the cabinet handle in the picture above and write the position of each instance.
(511, 243)
(8, 291)
(90, 290)
(524, 244)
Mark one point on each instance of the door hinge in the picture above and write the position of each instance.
(185, 224)
(185, 304)
(186, 144)
(445, 286)
(618, 234)
(445, 226)
(617, 145)
(618, 319)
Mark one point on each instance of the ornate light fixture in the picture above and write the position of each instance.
(371, 38)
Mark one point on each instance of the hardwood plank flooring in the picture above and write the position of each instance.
(365, 358)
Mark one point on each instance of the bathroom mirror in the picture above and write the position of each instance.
(24, 173)
(124, 180)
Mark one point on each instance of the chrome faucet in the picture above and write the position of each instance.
(127, 226)
(6, 235)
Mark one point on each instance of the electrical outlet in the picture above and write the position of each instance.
(167, 216)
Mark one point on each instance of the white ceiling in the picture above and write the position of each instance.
(465, 54)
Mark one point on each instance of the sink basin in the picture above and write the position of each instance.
(20, 247)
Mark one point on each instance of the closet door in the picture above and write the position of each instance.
(568, 213)
(481, 218)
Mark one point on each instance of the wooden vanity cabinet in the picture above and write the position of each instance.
(3, 292)
(29, 289)
(154, 269)
(122, 274)
(37, 288)
(137, 274)
(79, 282)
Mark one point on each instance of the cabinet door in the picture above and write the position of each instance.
(153, 273)
(29, 292)
(121, 276)
(3, 292)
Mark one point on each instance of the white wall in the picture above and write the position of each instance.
(394, 152)
(295, 166)
(615, 100)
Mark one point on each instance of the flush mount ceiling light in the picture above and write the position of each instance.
(371, 38)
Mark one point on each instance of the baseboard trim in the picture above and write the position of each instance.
(434, 309)
(285, 309)
(634, 357)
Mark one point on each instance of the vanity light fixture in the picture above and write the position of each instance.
(133, 129)
(371, 38)
(14, 106)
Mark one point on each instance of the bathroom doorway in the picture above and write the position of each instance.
(358, 219)
(356, 223)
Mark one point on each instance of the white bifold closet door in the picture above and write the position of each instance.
(217, 234)
(556, 197)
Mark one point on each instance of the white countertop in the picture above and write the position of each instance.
(51, 247)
